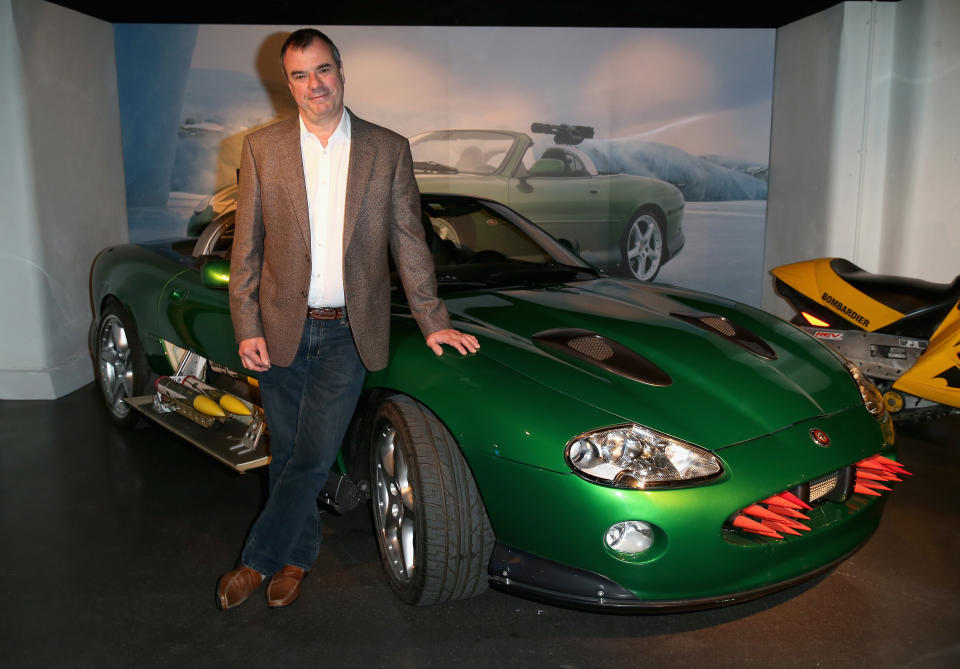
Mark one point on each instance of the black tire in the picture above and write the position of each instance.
(120, 364)
(643, 245)
(432, 529)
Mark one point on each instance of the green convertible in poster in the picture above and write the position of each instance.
(613, 444)
(627, 224)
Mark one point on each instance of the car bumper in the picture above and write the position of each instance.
(527, 575)
(697, 558)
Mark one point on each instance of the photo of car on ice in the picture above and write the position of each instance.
(614, 444)
(626, 224)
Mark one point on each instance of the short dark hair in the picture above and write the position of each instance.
(301, 39)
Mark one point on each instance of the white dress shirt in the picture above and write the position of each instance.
(325, 174)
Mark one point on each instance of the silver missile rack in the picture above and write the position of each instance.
(235, 440)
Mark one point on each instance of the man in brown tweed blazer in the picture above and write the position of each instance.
(311, 323)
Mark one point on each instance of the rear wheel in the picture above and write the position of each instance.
(121, 369)
(432, 529)
(642, 250)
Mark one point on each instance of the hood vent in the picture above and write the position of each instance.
(603, 352)
(592, 346)
(727, 329)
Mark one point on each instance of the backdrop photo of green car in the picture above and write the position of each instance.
(613, 444)
(625, 224)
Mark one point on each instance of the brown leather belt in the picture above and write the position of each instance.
(325, 313)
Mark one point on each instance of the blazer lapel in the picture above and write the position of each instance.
(358, 176)
(291, 167)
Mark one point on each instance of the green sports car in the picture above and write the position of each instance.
(613, 444)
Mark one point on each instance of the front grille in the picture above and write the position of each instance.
(822, 486)
(780, 514)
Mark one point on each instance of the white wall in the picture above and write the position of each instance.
(61, 190)
(864, 157)
(922, 196)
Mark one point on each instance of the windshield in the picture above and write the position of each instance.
(460, 151)
(479, 244)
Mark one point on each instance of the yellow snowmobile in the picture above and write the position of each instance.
(903, 333)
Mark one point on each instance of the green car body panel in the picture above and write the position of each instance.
(514, 406)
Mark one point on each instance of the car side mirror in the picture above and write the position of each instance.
(570, 245)
(215, 274)
(547, 167)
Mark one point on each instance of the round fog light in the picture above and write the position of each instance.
(629, 538)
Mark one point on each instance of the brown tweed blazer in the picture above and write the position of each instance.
(270, 265)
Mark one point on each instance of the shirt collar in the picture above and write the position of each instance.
(341, 134)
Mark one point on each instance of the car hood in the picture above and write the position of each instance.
(719, 392)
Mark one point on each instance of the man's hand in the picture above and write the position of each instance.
(253, 354)
(462, 342)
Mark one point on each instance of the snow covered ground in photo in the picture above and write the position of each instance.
(723, 253)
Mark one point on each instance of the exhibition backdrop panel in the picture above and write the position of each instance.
(689, 108)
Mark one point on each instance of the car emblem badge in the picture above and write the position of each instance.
(820, 438)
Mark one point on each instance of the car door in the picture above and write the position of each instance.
(570, 204)
(196, 316)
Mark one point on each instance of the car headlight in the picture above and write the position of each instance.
(872, 398)
(634, 456)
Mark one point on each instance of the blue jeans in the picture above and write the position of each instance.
(308, 407)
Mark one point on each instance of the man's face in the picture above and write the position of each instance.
(315, 82)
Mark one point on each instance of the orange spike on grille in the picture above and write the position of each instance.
(781, 527)
(792, 513)
(780, 502)
(892, 463)
(758, 511)
(864, 475)
(795, 525)
(789, 496)
(740, 521)
(873, 485)
(865, 491)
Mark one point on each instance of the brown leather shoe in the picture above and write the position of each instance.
(284, 587)
(235, 586)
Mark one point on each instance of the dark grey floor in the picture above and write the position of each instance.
(112, 542)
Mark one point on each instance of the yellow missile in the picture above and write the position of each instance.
(198, 401)
(227, 401)
(233, 405)
(204, 404)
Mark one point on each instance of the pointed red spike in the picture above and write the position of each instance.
(863, 475)
(796, 500)
(887, 469)
(791, 513)
(795, 525)
(742, 522)
(758, 511)
(870, 463)
(892, 463)
(778, 501)
(781, 527)
(873, 485)
(865, 491)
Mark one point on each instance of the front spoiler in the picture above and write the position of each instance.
(527, 575)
